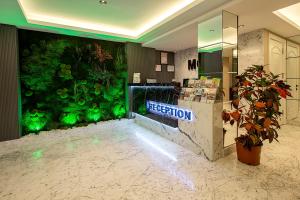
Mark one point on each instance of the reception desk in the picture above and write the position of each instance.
(205, 130)
(203, 135)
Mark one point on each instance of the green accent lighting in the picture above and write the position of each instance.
(69, 119)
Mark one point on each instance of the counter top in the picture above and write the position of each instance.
(150, 84)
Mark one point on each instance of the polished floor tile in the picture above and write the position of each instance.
(121, 160)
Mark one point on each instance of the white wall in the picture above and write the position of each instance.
(181, 64)
(251, 49)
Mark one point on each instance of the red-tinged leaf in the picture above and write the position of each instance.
(235, 115)
(258, 128)
(269, 103)
(260, 105)
(248, 126)
(235, 103)
(259, 74)
(247, 83)
(267, 123)
(276, 107)
(225, 116)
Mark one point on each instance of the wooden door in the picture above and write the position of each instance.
(292, 71)
(277, 65)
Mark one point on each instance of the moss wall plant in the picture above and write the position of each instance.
(70, 81)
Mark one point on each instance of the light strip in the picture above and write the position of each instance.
(42, 19)
(156, 147)
(63, 22)
(164, 16)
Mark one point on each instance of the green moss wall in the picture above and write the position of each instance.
(70, 81)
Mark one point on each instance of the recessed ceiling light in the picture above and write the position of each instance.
(103, 2)
(290, 14)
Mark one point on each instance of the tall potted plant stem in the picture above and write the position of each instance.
(256, 103)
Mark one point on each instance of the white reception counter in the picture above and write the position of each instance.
(203, 135)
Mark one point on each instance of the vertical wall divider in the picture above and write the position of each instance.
(10, 121)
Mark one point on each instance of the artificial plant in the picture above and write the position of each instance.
(256, 101)
(69, 81)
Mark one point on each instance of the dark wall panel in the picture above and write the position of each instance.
(140, 60)
(9, 120)
(143, 60)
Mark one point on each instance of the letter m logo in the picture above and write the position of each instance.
(192, 64)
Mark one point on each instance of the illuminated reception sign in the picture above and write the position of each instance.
(169, 111)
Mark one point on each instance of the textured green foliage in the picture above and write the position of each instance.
(65, 72)
(71, 82)
(142, 109)
(69, 118)
(94, 113)
(35, 121)
(97, 87)
(62, 93)
(40, 64)
(119, 110)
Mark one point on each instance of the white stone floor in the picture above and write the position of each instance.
(120, 160)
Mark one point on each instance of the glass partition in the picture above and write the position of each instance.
(230, 68)
(210, 47)
(218, 58)
(140, 95)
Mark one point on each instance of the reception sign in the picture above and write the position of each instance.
(170, 111)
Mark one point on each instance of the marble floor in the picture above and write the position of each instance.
(294, 122)
(120, 160)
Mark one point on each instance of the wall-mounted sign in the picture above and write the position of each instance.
(136, 77)
(171, 68)
(170, 111)
(158, 68)
(164, 58)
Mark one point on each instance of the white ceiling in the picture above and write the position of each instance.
(172, 34)
(256, 14)
(185, 35)
(253, 14)
(82, 17)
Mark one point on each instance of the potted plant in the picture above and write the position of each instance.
(256, 102)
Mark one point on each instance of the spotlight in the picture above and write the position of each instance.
(103, 2)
